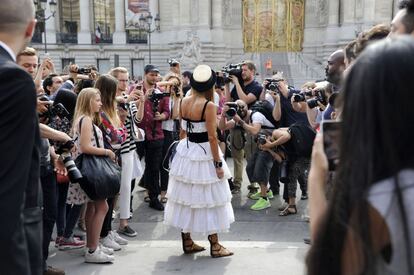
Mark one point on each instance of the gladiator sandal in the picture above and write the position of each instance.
(189, 247)
(216, 249)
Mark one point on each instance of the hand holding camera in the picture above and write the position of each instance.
(158, 116)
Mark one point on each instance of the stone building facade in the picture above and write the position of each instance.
(196, 31)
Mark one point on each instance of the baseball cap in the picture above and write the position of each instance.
(150, 68)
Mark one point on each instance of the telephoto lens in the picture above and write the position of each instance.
(73, 171)
(299, 97)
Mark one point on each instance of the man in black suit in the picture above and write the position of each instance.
(19, 137)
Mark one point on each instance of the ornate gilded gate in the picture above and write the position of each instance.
(273, 25)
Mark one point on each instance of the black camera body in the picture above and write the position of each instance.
(273, 84)
(123, 105)
(155, 98)
(300, 97)
(233, 109)
(54, 109)
(320, 97)
(261, 139)
(235, 70)
(84, 70)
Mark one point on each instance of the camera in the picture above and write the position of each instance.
(320, 97)
(301, 96)
(123, 105)
(233, 109)
(272, 84)
(155, 98)
(261, 139)
(219, 79)
(232, 69)
(64, 150)
(84, 71)
(173, 62)
(54, 109)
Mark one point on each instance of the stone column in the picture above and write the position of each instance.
(50, 26)
(119, 36)
(153, 7)
(84, 35)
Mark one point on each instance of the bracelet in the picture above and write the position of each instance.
(218, 164)
(106, 152)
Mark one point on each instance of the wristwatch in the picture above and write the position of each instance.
(218, 164)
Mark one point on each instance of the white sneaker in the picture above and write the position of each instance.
(118, 239)
(106, 250)
(98, 256)
(109, 242)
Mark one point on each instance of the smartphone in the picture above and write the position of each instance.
(331, 135)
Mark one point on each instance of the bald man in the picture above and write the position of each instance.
(335, 68)
(403, 22)
(20, 213)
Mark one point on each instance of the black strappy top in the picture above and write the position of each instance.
(195, 137)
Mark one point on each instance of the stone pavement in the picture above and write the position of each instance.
(262, 242)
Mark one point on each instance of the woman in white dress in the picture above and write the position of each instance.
(199, 197)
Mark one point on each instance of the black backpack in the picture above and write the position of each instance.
(265, 108)
(302, 137)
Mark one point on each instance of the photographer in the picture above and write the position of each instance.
(247, 89)
(289, 116)
(255, 121)
(297, 143)
(260, 164)
(156, 110)
(314, 102)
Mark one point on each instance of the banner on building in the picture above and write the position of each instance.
(273, 25)
(134, 9)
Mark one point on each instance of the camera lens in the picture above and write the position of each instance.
(73, 172)
(312, 103)
(231, 112)
(298, 97)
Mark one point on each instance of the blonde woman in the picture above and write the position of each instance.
(86, 119)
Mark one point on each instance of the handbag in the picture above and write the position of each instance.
(101, 177)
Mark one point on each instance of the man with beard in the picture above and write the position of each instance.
(334, 71)
(249, 92)
(156, 110)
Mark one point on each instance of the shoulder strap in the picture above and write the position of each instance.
(204, 110)
(181, 113)
(94, 131)
(96, 135)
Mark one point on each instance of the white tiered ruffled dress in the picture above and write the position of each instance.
(198, 201)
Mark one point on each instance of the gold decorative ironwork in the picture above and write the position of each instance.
(273, 25)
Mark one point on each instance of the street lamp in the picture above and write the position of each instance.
(41, 14)
(145, 25)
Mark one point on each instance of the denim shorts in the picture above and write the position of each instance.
(259, 166)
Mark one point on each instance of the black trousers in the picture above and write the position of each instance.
(48, 181)
(153, 159)
(107, 224)
(274, 178)
(168, 139)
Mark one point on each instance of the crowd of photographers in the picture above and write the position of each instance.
(271, 125)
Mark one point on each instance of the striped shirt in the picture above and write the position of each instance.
(129, 144)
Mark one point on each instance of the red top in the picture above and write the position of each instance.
(151, 127)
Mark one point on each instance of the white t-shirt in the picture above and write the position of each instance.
(259, 118)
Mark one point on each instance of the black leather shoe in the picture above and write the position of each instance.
(156, 204)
